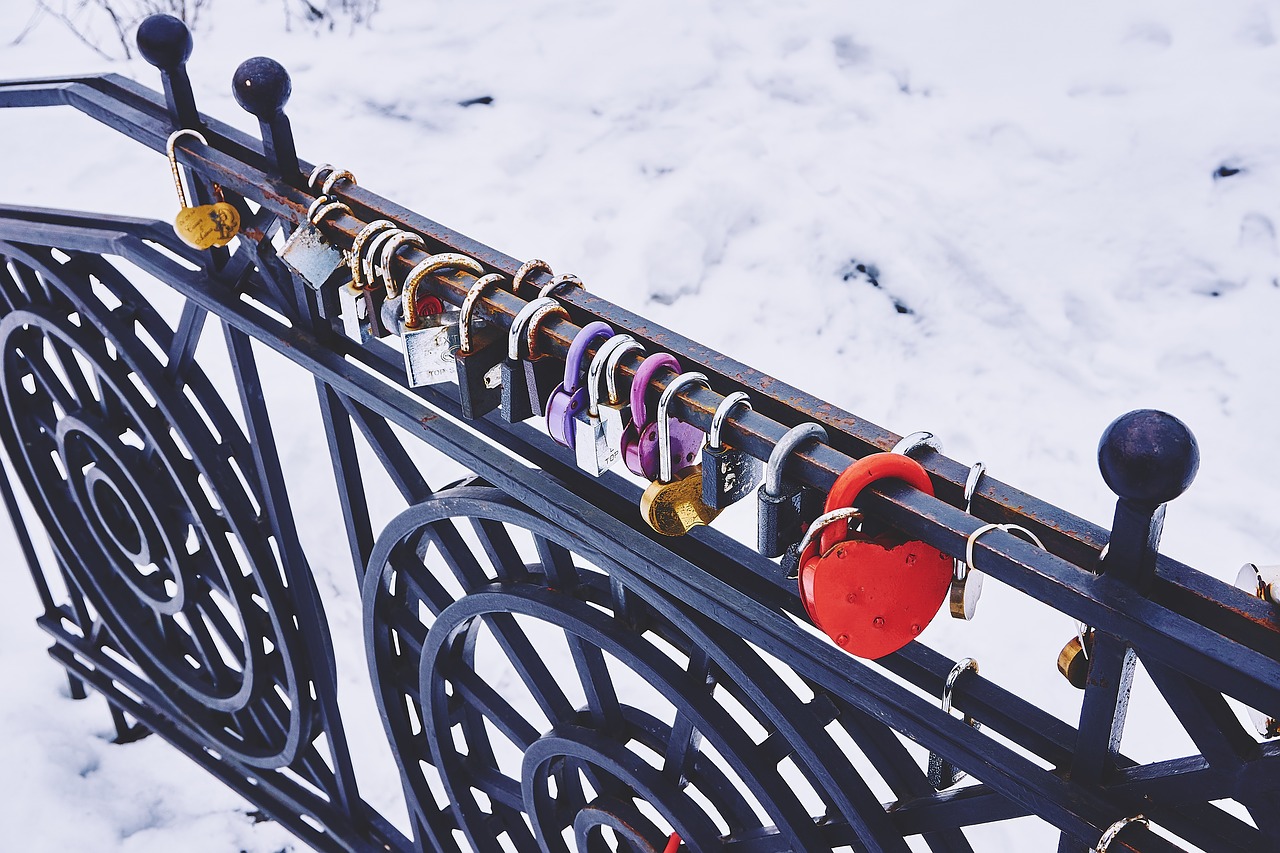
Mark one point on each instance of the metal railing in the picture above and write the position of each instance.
(178, 588)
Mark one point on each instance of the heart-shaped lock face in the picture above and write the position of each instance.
(207, 225)
(873, 596)
(675, 508)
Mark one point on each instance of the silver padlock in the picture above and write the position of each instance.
(966, 583)
(615, 409)
(308, 253)
(427, 356)
(942, 773)
(354, 302)
(355, 311)
(591, 446)
(1263, 582)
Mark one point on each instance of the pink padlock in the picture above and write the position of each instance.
(640, 440)
(570, 397)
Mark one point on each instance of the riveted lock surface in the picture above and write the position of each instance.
(872, 596)
(785, 508)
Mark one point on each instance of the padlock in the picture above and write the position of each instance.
(206, 225)
(909, 444)
(386, 254)
(672, 505)
(569, 399)
(308, 253)
(640, 439)
(966, 584)
(785, 508)
(1073, 660)
(426, 335)
(1263, 582)
(871, 596)
(615, 410)
(728, 474)
(528, 268)
(520, 378)
(942, 773)
(591, 447)
(360, 301)
(476, 364)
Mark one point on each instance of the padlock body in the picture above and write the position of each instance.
(479, 377)
(873, 596)
(728, 475)
(311, 256)
(207, 225)
(563, 408)
(675, 508)
(615, 419)
(963, 599)
(514, 392)
(686, 442)
(590, 447)
(354, 309)
(427, 360)
(778, 521)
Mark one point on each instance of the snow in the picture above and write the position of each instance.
(1038, 194)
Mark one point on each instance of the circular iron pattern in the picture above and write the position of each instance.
(533, 703)
(144, 482)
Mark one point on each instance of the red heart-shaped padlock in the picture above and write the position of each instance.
(872, 596)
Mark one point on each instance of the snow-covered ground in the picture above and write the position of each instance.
(1069, 212)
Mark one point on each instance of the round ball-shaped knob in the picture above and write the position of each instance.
(1149, 457)
(164, 41)
(262, 86)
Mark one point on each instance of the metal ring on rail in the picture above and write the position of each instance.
(468, 306)
(526, 269)
(1007, 528)
(535, 322)
(721, 415)
(1112, 831)
(786, 445)
(949, 686)
(358, 246)
(173, 160)
(908, 444)
(611, 369)
(564, 280)
(597, 366)
(424, 268)
(316, 173)
(334, 177)
(517, 331)
(395, 243)
(325, 210)
(664, 422)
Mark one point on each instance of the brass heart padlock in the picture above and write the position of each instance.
(673, 505)
(871, 596)
(206, 225)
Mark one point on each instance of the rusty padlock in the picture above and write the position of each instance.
(871, 596)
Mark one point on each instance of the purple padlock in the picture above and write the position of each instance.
(569, 398)
(640, 440)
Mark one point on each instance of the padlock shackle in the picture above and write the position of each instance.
(173, 160)
(518, 326)
(356, 261)
(721, 415)
(433, 263)
(665, 473)
(599, 363)
(787, 445)
(864, 472)
(611, 367)
(468, 307)
(589, 334)
(641, 381)
(527, 269)
(909, 444)
(395, 243)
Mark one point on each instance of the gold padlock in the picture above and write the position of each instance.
(206, 225)
(1073, 660)
(673, 505)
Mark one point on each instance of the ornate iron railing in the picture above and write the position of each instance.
(545, 665)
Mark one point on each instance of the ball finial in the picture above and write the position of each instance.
(164, 41)
(1148, 456)
(262, 87)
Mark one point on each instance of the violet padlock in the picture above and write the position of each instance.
(786, 507)
(521, 376)
(673, 505)
(942, 773)
(569, 398)
(477, 364)
(591, 447)
(640, 441)
(728, 474)
(427, 360)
